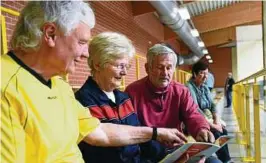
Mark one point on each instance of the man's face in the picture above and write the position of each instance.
(71, 49)
(161, 71)
(112, 72)
(202, 76)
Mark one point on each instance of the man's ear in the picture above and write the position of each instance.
(49, 33)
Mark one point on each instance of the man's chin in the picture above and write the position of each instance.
(163, 85)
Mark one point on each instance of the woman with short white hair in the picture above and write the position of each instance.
(109, 62)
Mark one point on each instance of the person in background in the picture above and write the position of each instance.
(229, 88)
(41, 121)
(210, 81)
(161, 102)
(109, 58)
(202, 96)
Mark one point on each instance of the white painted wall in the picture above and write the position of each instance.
(249, 50)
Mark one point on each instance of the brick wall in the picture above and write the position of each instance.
(110, 16)
(117, 16)
(222, 64)
(11, 19)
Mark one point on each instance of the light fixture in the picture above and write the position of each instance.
(184, 13)
(194, 33)
(175, 11)
(201, 44)
(210, 61)
(205, 51)
(208, 57)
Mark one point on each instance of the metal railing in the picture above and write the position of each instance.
(3, 27)
(246, 101)
(179, 75)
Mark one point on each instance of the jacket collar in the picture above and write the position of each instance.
(96, 91)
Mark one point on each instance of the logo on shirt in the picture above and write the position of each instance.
(52, 97)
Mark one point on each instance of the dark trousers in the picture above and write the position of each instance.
(223, 153)
(228, 98)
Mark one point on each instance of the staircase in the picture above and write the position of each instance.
(236, 147)
(236, 151)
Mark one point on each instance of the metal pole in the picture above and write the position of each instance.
(256, 98)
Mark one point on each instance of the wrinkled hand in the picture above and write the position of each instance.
(170, 137)
(217, 127)
(205, 135)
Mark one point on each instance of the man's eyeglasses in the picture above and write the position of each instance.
(120, 66)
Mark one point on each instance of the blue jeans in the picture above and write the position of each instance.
(228, 98)
(223, 153)
(212, 159)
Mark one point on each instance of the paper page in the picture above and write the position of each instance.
(222, 140)
(186, 151)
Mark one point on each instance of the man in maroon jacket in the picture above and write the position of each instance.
(161, 102)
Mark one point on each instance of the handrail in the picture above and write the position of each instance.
(182, 75)
(10, 11)
(255, 75)
(3, 27)
(242, 92)
(3, 32)
(139, 56)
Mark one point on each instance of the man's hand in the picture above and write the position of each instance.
(170, 137)
(205, 135)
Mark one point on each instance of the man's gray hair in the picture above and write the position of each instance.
(109, 46)
(65, 14)
(159, 49)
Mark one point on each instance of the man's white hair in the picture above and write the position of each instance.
(159, 49)
(65, 14)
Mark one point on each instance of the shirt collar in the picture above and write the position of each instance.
(154, 89)
(34, 73)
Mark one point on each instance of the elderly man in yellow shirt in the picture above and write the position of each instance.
(40, 119)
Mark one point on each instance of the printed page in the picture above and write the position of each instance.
(186, 151)
(193, 151)
(222, 140)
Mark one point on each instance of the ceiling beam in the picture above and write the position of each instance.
(236, 14)
(219, 37)
(169, 33)
(222, 36)
(141, 7)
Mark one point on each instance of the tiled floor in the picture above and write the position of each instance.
(237, 151)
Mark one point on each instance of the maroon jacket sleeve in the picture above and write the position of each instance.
(193, 120)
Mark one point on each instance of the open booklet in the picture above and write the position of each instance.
(193, 151)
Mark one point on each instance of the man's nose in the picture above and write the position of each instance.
(85, 52)
(164, 71)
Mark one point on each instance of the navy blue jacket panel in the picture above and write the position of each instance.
(120, 112)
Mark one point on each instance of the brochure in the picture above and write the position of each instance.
(193, 151)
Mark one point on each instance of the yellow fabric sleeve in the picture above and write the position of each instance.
(87, 123)
(12, 131)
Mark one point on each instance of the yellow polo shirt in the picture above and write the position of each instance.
(41, 122)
